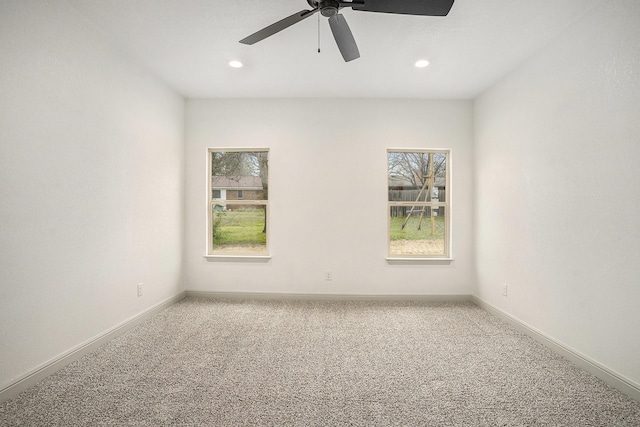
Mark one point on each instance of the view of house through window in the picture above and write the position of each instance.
(238, 202)
(418, 203)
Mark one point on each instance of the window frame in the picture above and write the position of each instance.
(209, 252)
(447, 204)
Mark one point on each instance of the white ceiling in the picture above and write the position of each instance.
(188, 44)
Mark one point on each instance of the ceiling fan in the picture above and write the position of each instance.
(339, 27)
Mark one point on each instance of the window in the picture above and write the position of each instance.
(238, 205)
(418, 203)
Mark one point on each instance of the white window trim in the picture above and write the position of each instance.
(437, 259)
(208, 239)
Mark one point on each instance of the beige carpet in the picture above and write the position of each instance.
(307, 363)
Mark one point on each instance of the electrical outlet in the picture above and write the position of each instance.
(505, 289)
(140, 289)
(328, 276)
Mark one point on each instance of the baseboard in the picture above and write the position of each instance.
(76, 353)
(612, 378)
(326, 297)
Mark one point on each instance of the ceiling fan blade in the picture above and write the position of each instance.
(407, 7)
(344, 39)
(278, 26)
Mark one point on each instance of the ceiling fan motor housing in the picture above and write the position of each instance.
(327, 8)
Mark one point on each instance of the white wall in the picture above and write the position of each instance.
(91, 165)
(328, 192)
(557, 171)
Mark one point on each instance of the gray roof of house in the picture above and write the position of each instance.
(236, 182)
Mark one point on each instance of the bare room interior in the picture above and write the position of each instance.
(112, 114)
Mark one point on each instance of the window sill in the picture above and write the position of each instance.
(419, 260)
(247, 258)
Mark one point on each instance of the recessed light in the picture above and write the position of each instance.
(235, 64)
(422, 63)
